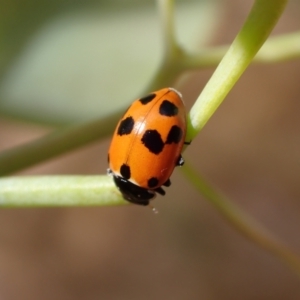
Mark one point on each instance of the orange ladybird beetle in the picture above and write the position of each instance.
(146, 145)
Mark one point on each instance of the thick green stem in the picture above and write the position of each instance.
(54, 191)
(260, 22)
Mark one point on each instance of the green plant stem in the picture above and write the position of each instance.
(171, 66)
(166, 11)
(53, 144)
(260, 22)
(225, 76)
(63, 140)
(58, 191)
(242, 222)
(280, 48)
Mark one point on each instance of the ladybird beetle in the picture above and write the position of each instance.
(146, 145)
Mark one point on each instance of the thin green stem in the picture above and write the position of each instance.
(171, 66)
(64, 140)
(234, 63)
(277, 49)
(260, 22)
(165, 9)
(242, 222)
(58, 191)
(166, 12)
(280, 48)
(53, 144)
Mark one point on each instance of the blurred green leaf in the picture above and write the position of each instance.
(82, 64)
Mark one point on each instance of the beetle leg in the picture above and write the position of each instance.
(180, 161)
(160, 191)
(167, 183)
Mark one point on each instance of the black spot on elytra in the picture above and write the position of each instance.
(168, 109)
(125, 171)
(152, 182)
(145, 100)
(152, 141)
(175, 135)
(126, 126)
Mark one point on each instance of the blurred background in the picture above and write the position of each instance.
(64, 62)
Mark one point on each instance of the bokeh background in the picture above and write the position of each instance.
(64, 62)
